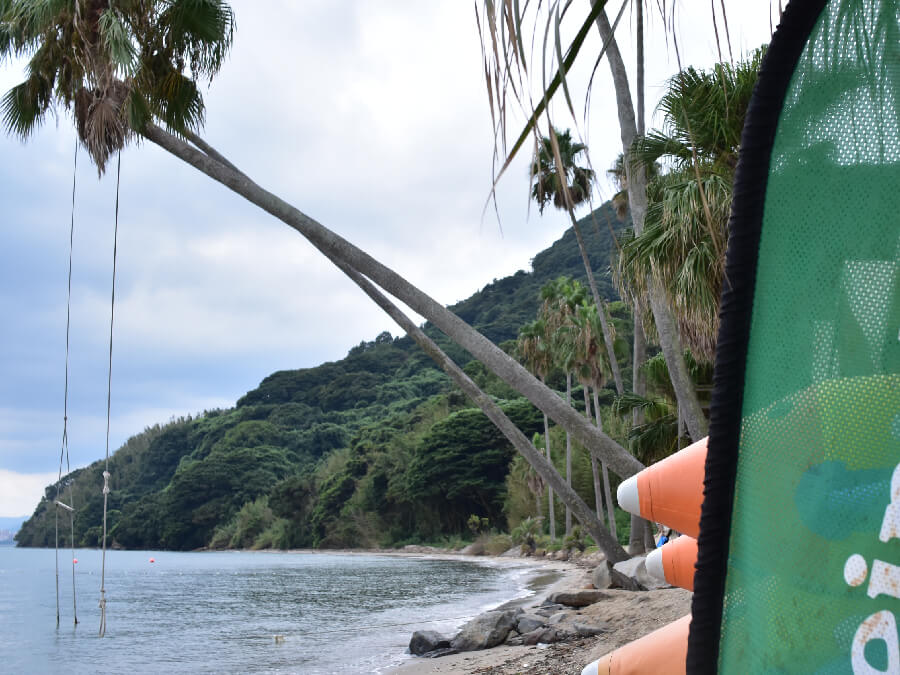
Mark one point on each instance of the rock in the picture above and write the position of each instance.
(424, 641)
(635, 569)
(601, 577)
(440, 652)
(514, 552)
(475, 548)
(578, 598)
(589, 629)
(528, 622)
(485, 631)
(559, 617)
(548, 609)
(545, 635)
(593, 559)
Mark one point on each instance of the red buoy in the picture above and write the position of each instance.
(153, 560)
(74, 560)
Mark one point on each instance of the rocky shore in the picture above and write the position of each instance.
(592, 609)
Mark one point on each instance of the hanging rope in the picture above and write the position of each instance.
(64, 449)
(112, 315)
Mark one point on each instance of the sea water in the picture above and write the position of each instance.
(220, 612)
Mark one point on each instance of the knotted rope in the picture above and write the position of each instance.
(64, 449)
(112, 314)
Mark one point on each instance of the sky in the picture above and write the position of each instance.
(371, 117)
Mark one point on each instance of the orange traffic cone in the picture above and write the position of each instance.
(669, 492)
(662, 652)
(674, 562)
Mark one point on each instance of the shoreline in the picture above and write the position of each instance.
(626, 616)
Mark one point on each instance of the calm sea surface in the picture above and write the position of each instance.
(219, 612)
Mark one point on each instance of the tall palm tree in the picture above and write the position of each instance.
(534, 346)
(560, 298)
(682, 247)
(594, 370)
(505, 64)
(557, 178)
(134, 67)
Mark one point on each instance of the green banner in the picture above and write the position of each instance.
(813, 581)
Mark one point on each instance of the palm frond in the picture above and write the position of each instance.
(117, 65)
(118, 41)
(655, 440)
(179, 102)
(199, 30)
(23, 107)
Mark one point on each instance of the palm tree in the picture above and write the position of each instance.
(125, 69)
(563, 183)
(560, 298)
(535, 348)
(594, 373)
(682, 247)
(557, 178)
(505, 63)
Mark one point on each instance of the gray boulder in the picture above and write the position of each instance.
(424, 641)
(485, 631)
(589, 629)
(543, 635)
(578, 598)
(528, 622)
(601, 576)
(559, 617)
(635, 569)
(605, 576)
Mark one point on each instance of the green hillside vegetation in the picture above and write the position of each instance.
(377, 449)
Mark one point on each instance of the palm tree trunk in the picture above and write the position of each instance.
(551, 511)
(568, 455)
(601, 308)
(639, 21)
(649, 541)
(636, 543)
(337, 248)
(604, 470)
(605, 541)
(595, 472)
(638, 378)
(637, 199)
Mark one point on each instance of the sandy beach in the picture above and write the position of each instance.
(626, 616)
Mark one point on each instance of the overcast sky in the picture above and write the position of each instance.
(370, 116)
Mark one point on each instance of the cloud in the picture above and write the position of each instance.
(370, 117)
(20, 492)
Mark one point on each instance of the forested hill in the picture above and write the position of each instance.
(375, 449)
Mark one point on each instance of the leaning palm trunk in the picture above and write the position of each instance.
(568, 455)
(595, 472)
(551, 509)
(610, 509)
(637, 198)
(605, 541)
(340, 250)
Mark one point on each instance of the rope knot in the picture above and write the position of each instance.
(106, 482)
